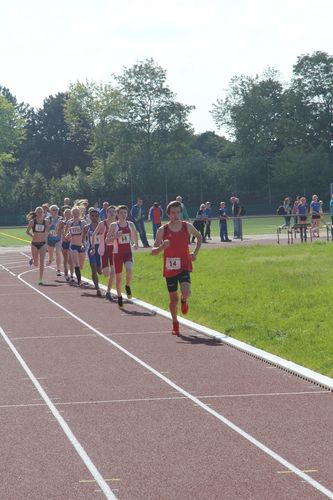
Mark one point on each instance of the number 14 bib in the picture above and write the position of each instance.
(173, 263)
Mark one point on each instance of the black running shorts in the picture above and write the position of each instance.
(172, 283)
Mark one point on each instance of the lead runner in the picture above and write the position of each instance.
(173, 239)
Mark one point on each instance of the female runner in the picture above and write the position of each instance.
(74, 232)
(38, 229)
(65, 242)
(53, 239)
(92, 248)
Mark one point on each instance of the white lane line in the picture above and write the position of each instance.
(194, 399)
(165, 398)
(63, 424)
(8, 271)
(54, 337)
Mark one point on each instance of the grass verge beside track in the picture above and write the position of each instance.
(276, 298)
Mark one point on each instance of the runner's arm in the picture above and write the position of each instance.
(134, 234)
(29, 229)
(193, 232)
(96, 233)
(111, 236)
(159, 243)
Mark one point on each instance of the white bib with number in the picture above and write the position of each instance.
(173, 263)
(39, 228)
(125, 238)
(52, 232)
(76, 230)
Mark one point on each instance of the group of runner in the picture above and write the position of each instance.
(77, 232)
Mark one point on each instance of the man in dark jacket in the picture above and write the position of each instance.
(138, 217)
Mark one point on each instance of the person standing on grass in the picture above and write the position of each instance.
(105, 250)
(155, 215)
(138, 217)
(122, 234)
(302, 211)
(37, 229)
(208, 213)
(315, 215)
(200, 222)
(287, 211)
(236, 212)
(103, 211)
(184, 215)
(172, 238)
(74, 232)
(223, 223)
(92, 248)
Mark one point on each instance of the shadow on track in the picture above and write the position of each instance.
(138, 313)
(193, 339)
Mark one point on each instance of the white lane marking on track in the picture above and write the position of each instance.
(315, 484)
(54, 337)
(63, 424)
(8, 271)
(168, 398)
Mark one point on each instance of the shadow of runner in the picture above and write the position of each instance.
(138, 313)
(193, 339)
(49, 284)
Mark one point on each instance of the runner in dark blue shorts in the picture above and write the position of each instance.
(92, 250)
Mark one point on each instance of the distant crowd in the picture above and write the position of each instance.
(303, 213)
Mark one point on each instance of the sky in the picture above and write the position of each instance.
(46, 45)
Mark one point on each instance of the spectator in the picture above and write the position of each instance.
(315, 215)
(46, 210)
(102, 213)
(200, 221)
(156, 216)
(223, 223)
(236, 212)
(287, 211)
(295, 209)
(138, 217)
(303, 216)
(67, 202)
(184, 214)
(208, 212)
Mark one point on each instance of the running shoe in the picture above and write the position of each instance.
(108, 296)
(31, 262)
(58, 273)
(120, 302)
(67, 279)
(40, 282)
(99, 293)
(128, 291)
(184, 306)
(175, 328)
(72, 279)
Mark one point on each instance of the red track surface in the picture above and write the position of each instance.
(145, 437)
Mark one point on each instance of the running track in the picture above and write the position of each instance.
(99, 403)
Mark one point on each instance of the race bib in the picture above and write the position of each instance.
(39, 228)
(125, 238)
(173, 264)
(52, 232)
(76, 230)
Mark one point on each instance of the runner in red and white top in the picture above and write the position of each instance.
(173, 239)
(123, 235)
(105, 250)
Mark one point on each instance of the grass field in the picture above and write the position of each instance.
(251, 226)
(277, 298)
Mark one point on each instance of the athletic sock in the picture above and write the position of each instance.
(78, 274)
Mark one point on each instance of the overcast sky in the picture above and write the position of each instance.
(201, 44)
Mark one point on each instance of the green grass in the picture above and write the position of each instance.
(13, 237)
(276, 298)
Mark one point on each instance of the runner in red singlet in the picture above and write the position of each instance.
(105, 250)
(123, 234)
(173, 239)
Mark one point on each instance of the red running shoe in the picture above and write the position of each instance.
(184, 306)
(175, 328)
